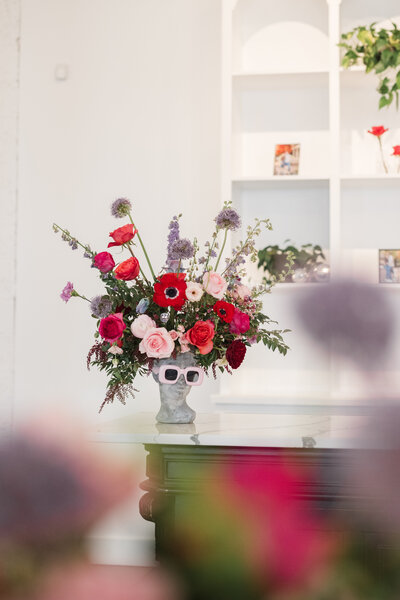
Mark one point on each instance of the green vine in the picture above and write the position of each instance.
(379, 51)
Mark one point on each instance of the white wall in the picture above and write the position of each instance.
(138, 116)
(9, 57)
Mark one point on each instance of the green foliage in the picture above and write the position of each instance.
(379, 51)
(274, 260)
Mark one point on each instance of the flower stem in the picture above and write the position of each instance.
(143, 248)
(382, 155)
(140, 268)
(70, 236)
(222, 249)
(75, 293)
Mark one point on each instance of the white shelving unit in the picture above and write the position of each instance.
(282, 83)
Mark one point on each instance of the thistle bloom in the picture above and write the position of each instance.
(100, 306)
(120, 208)
(67, 292)
(181, 249)
(228, 219)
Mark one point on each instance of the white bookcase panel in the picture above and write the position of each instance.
(282, 83)
(265, 34)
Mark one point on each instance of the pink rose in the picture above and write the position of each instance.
(241, 292)
(157, 343)
(214, 284)
(111, 328)
(104, 262)
(240, 322)
(141, 324)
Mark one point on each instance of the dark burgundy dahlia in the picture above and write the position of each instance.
(235, 353)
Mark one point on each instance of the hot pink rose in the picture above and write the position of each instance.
(104, 262)
(214, 284)
(240, 322)
(112, 327)
(157, 343)
(141, 324)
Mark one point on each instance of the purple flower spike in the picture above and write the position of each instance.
(352, 318)
(67, 292)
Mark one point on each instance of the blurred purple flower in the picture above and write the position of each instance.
(50, 488)
(101, 306)
(67, 292)
(353, 319)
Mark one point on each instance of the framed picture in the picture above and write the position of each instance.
(286, 161)
(389, 266)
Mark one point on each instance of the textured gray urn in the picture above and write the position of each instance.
(173, 396)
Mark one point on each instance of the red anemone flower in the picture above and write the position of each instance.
(225, 310)
(170, 290)
(377, 130)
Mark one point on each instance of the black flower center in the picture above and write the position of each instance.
(222, 311)
(171, 292)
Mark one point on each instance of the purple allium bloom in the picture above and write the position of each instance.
(181, 249)
(142, 306)
(353, 318)
(120, 208)
(67, 292)
(100, 306)
(228, 219)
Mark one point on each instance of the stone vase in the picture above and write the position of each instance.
(174, 408)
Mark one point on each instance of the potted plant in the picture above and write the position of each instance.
(378, 49)
(282, 262)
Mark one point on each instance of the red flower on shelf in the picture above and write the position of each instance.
(225, 310)
(377, 130)
(170, 290)
(235, 353)
(122, 235)
(396, 151)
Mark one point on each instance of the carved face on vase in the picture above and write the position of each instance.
(173, 395)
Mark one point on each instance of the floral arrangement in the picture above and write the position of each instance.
(188, 306)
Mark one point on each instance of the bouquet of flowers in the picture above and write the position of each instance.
(188, 306)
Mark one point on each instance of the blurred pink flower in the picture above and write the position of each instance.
(89, 582)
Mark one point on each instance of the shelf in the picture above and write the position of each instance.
(373, 181)
(278, 181)
(281, 80)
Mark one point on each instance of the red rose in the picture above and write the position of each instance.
(170, 290)
(122, 235)
(378, 131)
(201, 335)
(235, 353)
(104, 262)
(396, 151)
(240, 322)
(224, 310)
(127, 270)
(112, 327)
